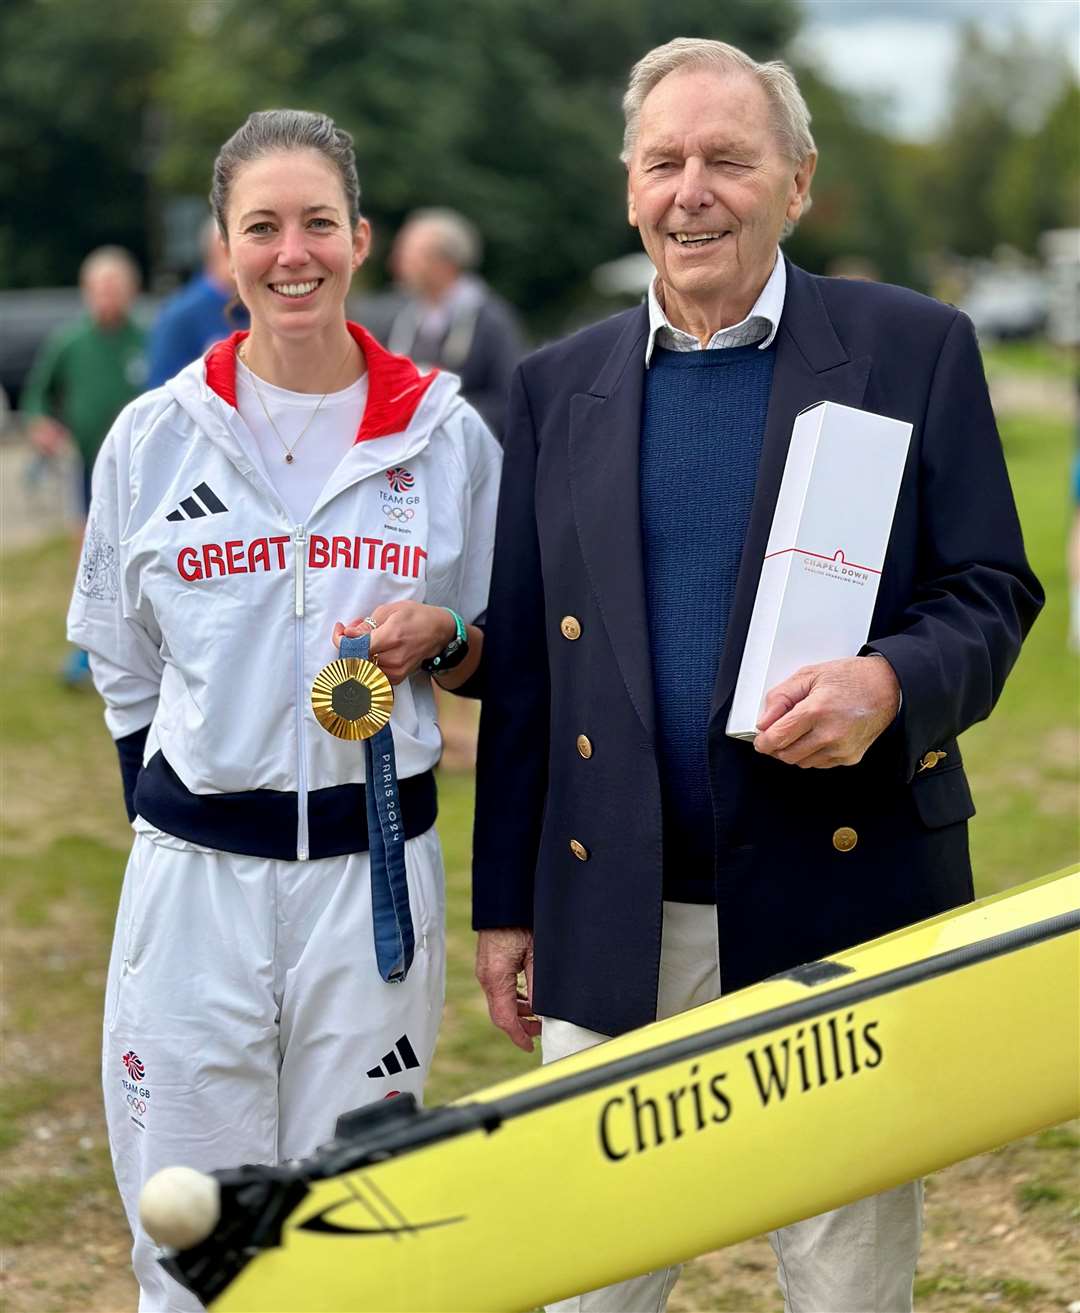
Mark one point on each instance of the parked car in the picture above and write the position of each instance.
(1008, 303)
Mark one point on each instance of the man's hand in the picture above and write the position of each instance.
(829, 714)
(48, 435)
(501, 955)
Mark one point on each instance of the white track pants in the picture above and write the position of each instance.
(856, 1259)
(244, 1012)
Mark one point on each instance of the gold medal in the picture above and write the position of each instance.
(352, 699)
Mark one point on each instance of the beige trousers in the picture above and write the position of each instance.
(856, 1259)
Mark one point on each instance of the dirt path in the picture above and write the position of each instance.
(36, 499)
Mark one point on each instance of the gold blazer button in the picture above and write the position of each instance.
(584, 746)
(571, 627)
(931, 760)
(579, 850)
(844, 839)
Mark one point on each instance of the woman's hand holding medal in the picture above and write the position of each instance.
(403, 634)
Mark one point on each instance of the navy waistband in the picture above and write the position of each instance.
(262, 822)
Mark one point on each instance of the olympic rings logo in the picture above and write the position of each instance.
(403, 514)
(139, 1105)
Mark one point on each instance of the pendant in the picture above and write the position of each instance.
(288, 458)
(352, 699)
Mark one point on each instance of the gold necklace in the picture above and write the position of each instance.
(269, 419)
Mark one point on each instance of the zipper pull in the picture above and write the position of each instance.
(300, 545)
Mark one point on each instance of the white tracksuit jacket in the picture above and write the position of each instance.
(207, 612)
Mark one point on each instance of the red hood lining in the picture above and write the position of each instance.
(395, 385)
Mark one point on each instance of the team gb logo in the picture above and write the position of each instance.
(134, 1066)
(400, 479)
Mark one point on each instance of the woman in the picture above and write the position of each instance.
(297, 485)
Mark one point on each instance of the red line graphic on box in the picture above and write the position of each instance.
(838, 555)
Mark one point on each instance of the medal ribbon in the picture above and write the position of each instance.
(391, 918)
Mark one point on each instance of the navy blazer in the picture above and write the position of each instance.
(956, 598)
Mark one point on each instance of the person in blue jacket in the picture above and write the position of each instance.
(204, 311)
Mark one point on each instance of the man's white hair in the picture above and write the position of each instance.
(111, 257)
(790, 116)
(457, 239)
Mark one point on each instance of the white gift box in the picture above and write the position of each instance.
(819, 578)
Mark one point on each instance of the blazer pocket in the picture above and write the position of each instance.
(943, 797)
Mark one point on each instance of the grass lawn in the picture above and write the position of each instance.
(998, 1227)
(1030, 356)
(1023, 760)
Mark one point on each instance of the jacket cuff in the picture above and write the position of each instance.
(910, 734)
(473, 686)
(130, 750)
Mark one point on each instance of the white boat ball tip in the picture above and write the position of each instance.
(179, 1207)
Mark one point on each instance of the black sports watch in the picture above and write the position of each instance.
(453, 654)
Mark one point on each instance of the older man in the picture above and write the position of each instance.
(87, 371)
(647, 859)
(83, 376)
(452, 318)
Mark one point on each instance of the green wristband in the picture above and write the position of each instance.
(459, 622)
(454, 652)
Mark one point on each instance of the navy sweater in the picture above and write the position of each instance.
(702, 428)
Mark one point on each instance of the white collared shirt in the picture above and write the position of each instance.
(759, 326)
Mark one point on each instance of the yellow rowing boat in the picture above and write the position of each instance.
(833, 1081)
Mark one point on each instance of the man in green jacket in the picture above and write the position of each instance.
(85, 373)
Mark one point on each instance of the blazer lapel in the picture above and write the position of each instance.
(811, 365)
(604, 446)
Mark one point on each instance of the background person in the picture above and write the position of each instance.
(452, 318)
(84, 375)
(643, 460)
(297, 478)
(202, 312)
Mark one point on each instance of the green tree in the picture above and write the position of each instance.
(77, 131)
(1038, 184)
(1005, 156)
(508, 112)
(863, 199)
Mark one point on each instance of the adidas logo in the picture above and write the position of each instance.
(401, 1057)
(203, 501)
